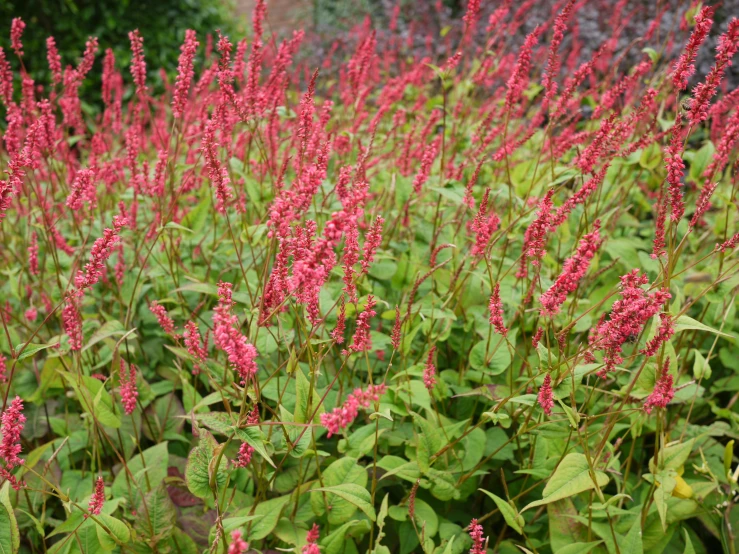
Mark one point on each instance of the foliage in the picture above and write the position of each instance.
(72, 22)
(483, 303)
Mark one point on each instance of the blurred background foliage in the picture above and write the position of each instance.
(161, 22)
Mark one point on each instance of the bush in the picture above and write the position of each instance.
(482, 303)
(71, 23)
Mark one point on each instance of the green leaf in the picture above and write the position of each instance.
(688, 543)
(113, 328)
(581, 548)
(335, 542)
(32, 349)
(429, 442)
(564, 529)
(177, 226)
(684, 322)
(270, 514)
(197, 472)
(662, 494)
(701, 368)
(381, 521)
(672, 456)
(156, 514)
(426, 519)
(355, 494)
(342, 471)
(155, 460)
(571, 477)
(632, 542)
(512, 517)
(94, 399)
(9, 535)
(494, 362)
(303, 408)
(119, 531)
(700, 161)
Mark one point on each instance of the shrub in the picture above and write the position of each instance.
(486, 303)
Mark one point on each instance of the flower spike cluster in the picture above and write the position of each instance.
(344, 415)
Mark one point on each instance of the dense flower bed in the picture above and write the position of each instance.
(483, 303)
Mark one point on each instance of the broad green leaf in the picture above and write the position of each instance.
(156, 462)
(117, 528)
(197, 472)
(571, 477)
(684, 322)
(430, 442)
(426, 519)
(493, 361)
(688, 543)
(9, 535)
(512, 517)
(632, 542)
(156, 514)
(269, 511)
(672, 456)
(303, 408)
(701, 368)
(581, 548)
(335, 542)
(113, 328)
(32, 349)
(661, 494)
(359, 496)
(94, 399)
(342, 471)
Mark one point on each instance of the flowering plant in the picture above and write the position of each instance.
(482, 305)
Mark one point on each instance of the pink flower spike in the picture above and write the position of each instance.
(246, 451)
(537, 337)
(663, 392)
(496, 312)
(342, 416)
(166, 323)
(97, 499)
(546, 398)
(238, 545)
(185, 73)
(729, 244)
(664, 333)
(33, 255)
(685, 66)
(129, 392)
(627, 319)
(362, 341)
(372, 243)
(395, 337)
(312, 540)
(17, 27)
(478, 539)
(72, 323)
(699, 104)
(12, 426)
(429, 372)
(573, 271)
(228, 338)
(138, 64)
(193, 342)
